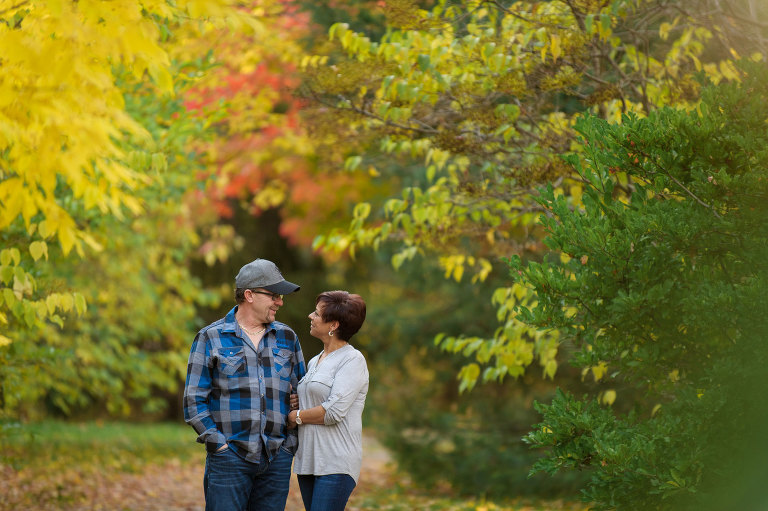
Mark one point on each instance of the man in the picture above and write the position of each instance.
(241, 372)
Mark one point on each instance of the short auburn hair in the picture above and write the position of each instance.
(346, 308)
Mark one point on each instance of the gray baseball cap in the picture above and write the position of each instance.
(264, 274)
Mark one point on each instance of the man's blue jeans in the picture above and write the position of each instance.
(326, 493)
(233, 484)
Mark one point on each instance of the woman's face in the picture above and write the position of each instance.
(317, 327)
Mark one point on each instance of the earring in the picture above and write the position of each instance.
(330, 332)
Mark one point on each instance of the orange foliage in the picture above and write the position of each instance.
(261, 157)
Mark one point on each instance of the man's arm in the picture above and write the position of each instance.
(197, 390)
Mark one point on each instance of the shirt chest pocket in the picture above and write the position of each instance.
(319, 387)
(283, 361)
(231, 361)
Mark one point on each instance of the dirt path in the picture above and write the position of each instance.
(173, 487)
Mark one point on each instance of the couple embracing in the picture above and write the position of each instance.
(254, 403)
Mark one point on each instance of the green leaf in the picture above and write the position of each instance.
(6, 274)
(588, 21)
(424, 62)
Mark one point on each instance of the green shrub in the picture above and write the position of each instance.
(477, 451)
(666, 286)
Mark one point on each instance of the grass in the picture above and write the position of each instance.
(403, 497)
(60, 465)
(119, 446)
(408, 501)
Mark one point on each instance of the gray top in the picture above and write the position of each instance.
(339, 384)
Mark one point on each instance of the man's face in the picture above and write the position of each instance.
(264, 304)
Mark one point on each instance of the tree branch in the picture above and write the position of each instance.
(14, 7)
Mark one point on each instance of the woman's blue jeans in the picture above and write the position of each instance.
(233, 484)
(326, 493)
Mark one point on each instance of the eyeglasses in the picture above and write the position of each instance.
(275, 297)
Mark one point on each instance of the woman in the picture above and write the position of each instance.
(331, 400)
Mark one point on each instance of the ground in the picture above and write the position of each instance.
(59, 481)
(175, 486)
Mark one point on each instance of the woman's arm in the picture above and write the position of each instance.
(314, 415)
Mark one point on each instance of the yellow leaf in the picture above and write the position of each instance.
(4, 341)
(458, 272)
(664, 29)
(470, 372)
(38, 249)
(161, 77)
(44, 230)
(555, 46)
(66, 302)
(599, 371)
(52, 301)
(41, 309)
(91, 242)
(729, 71)
(67, 239)
(696, 62)
(9, 297)
(609, 396)
(11, 200)
(80, 304)
(16, 256)
(576, 193)
(550, 368)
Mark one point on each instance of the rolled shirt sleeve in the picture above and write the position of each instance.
(350, 379)
(197, 389)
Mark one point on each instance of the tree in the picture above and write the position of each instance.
(262, 157)
(63, 118)
(96, 160)
(661, 291)
(475, 102)
(126, 352)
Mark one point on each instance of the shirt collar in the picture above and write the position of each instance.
(230, 323)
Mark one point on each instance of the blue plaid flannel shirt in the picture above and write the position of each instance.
(239, 394)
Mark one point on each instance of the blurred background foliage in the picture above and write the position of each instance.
(264, 137)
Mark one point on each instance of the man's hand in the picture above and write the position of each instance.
(222, 448)
(294, 400)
